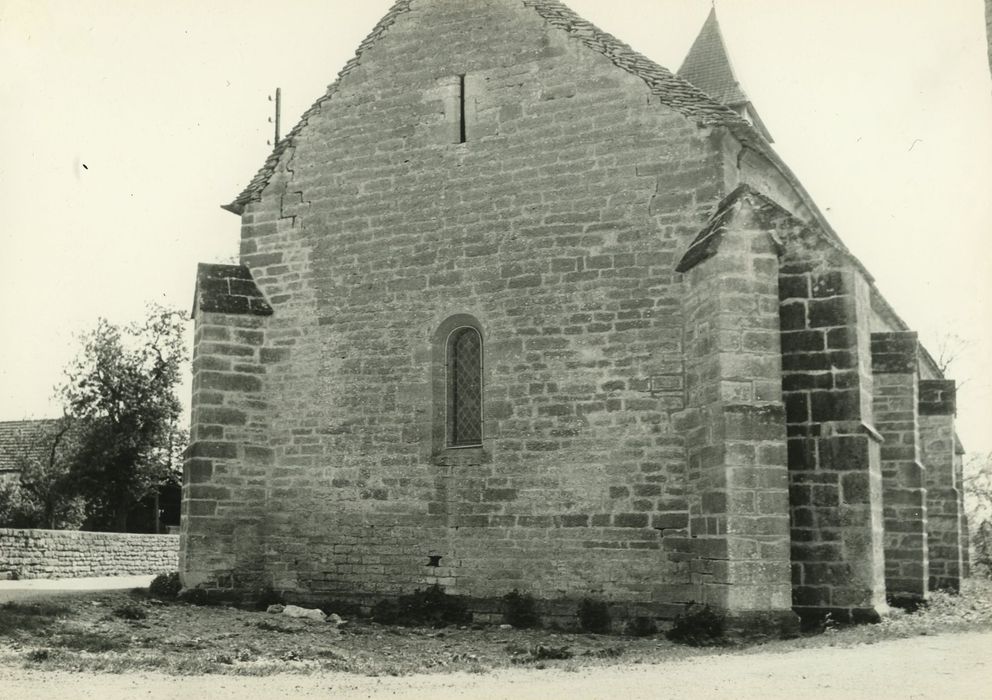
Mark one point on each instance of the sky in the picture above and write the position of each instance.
(125, 126)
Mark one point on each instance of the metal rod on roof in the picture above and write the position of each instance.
(278, 113)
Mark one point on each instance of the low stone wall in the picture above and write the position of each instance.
(71, 554)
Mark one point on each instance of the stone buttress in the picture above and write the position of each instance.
(735, 419)
(895, 368)
(227, 465)
(834, 450)
(937, 408)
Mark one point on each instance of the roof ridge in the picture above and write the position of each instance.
(672, 90)
(27, 421)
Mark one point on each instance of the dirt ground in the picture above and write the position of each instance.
(128, 644)
(955, 666)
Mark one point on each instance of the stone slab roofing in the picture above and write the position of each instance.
(228, 289)
(707, 242)
(23, 439)
(669, 88)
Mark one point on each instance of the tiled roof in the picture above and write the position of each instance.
(708, 67)
(24, 439)
(670, 89)
(228, 289)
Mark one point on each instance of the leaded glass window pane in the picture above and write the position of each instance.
(465, 388)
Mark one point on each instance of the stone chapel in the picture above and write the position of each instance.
(520, 309)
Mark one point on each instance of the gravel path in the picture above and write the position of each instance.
(28, 589)
(957, 666)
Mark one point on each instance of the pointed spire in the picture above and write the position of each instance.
(708, 67)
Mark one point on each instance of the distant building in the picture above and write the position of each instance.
(520, 309)
(24, 440)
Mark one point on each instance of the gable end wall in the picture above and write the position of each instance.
(558, 226)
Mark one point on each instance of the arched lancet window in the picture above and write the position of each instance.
(463, 384)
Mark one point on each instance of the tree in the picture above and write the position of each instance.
(121, 388)
(978, 505)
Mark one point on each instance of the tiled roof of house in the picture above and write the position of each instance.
(669, 88)
(24, 439)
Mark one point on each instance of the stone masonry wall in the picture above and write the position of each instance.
(556, 226)
(834, 457)
(895, 364)
(72, 554)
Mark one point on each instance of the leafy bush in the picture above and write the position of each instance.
(267, 597)
(39, 655)
(641, 627)
(698, 626)
(166, 586)
(541, 653)
(519, 610)
(431, 607)
(594, 616)
(196, 596)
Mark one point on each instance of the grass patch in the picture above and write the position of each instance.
(93, 642)
(29, 617)
(130, 612)
(267, 626)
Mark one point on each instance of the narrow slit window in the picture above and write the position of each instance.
(462, 131)
(464, 388)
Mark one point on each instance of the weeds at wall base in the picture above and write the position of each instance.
(520, 610)
(431, 607)
(594, 616)
(699, 626)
